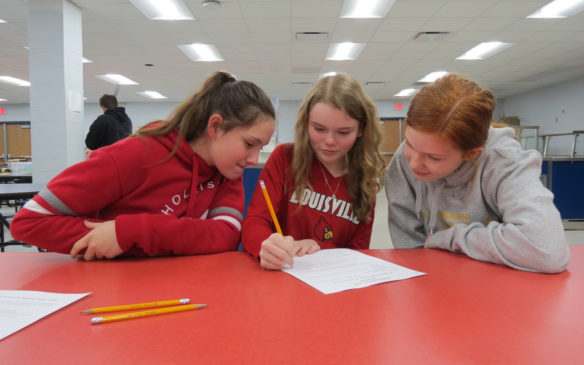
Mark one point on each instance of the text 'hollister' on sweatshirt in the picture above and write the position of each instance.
(160, 205)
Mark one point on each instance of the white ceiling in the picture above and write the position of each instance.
(257, 38)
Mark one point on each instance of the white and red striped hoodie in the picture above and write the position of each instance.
(161, 205)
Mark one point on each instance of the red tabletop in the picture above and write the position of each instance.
(462, 312)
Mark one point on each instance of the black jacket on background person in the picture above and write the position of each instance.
(113, 125)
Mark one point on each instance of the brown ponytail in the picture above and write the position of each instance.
(240, 103)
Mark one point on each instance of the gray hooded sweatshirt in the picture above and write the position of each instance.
(497, 210)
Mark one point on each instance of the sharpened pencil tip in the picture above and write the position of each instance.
(201, 305)
(87, 311)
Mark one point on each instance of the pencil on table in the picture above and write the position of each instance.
(148, 313)
(270, 207)
(116, 308)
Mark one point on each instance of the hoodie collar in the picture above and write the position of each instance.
(187, 156)
(461, 176)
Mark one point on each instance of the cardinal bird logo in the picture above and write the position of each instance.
(323, 230)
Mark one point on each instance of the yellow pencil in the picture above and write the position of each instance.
(270, 207)
(148, 313)
(116, 308)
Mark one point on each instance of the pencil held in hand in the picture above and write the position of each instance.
(270, 207)
(117, 308)
(148, 313)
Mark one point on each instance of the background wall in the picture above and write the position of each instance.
(15, 113)
(555, 109)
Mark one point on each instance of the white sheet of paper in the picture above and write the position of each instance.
(20, 308)
(338, 269)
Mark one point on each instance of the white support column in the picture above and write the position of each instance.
(56, 92)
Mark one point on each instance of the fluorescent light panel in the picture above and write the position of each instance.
(151, 94)
(14, 81)
(433, 76)
(364, 9)
(484, 50)
(559, 9)
(344, 51)
(117, 79)
(3, 99)
(200, 52)
(2, 21)
(163, 9)
(406, 92)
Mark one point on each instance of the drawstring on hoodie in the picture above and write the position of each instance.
(422, 195)
(434, 206)
(419, 194)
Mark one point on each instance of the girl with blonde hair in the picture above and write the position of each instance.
(323, 186)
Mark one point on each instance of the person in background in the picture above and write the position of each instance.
(458, 184)
(173, 189)
(113, 125)
(323, 186)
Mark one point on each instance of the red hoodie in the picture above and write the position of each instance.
(161, 205)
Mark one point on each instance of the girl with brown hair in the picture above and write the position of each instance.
(173, 189)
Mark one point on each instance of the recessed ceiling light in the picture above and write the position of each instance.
(345, 51)
(117, 79)
(366, 8)
(406, 92)
(484, 50)
(2, 21)
(14, 81)
(151, 94)
(433, 76)
(211, 4)
(201, 52)
(163, 9)
(559, 9)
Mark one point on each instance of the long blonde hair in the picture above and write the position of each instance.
(364, 161)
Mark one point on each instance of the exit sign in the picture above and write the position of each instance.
(2, 111)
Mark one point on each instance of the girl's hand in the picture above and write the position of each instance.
(306, 247)
(277, 251)
(101, 242)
